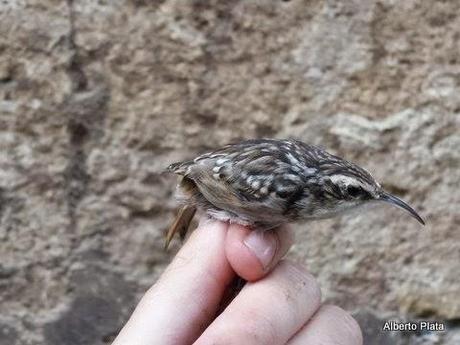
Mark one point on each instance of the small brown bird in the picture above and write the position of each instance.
(265, 183)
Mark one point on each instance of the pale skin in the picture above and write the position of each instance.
(280, 304)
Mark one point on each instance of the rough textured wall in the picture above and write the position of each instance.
(97, 97)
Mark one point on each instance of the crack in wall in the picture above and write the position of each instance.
(85, 109)
(75, 70)
(76, 176)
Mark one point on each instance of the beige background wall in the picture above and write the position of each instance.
(97, 97)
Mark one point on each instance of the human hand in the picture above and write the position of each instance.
(280, 304)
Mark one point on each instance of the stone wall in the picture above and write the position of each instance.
(97, 97)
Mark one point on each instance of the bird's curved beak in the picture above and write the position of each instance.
(398, 202)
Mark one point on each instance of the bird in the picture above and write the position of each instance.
(265, 183)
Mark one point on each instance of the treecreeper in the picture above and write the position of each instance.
(264, 183)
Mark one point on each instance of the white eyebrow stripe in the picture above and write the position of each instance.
(348, 180)
(222, 161)
(344, 180)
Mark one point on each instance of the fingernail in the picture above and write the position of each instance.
(263, 245)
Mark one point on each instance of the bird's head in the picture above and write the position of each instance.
(342, 185)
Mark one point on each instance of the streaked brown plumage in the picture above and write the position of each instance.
(265, 183)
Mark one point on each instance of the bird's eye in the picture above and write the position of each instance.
(354, 191)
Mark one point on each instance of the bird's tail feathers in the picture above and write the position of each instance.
(181, 223)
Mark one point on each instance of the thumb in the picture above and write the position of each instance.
(253, 253)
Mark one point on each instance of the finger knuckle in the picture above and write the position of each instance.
(257, 329)
(349, 326)
(262, 331)
(302, 281)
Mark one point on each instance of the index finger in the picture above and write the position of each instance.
(186, 298)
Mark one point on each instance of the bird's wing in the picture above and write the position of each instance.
(257, 175)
